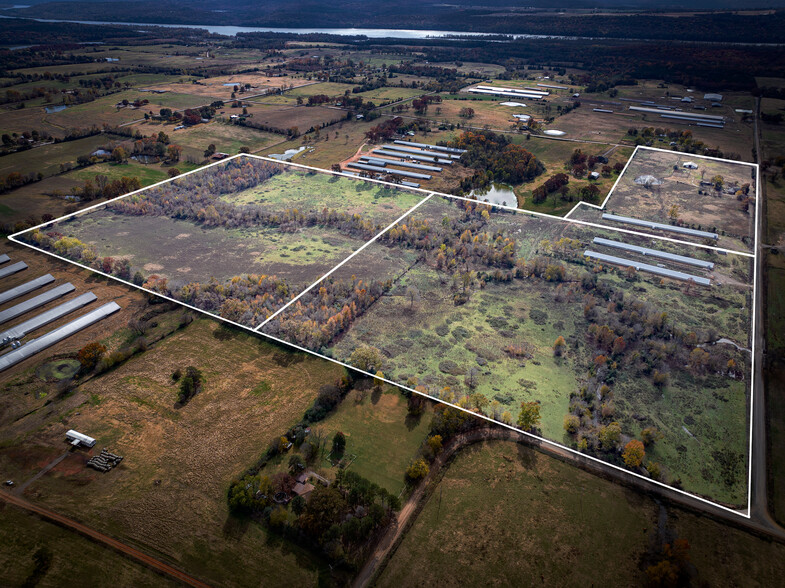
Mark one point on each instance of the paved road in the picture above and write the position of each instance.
(759, 498)
(105, 540)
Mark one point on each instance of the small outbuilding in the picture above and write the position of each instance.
(76, 439)
(713, 97)
(594, 176)
(303, 490)
(689, 165)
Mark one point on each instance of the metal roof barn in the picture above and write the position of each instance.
(46, 317)
(530, 95)
(76, 438)
(4, 258)
(384, 162)
(420, 151)
(660, 226)
(26, 287)
(552, 86)
(51, 338)
(654, 253)
(697, 121)
(514, 90)
(645, 267)
(394, 172)
(434, 147)
(431, 159)
(12, 269)
(36, 301)
(680, 114)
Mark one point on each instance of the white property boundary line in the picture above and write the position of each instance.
(554, 444)
(329, 273)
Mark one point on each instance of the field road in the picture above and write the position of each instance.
(98, 537)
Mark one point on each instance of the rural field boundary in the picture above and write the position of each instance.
(547, 444)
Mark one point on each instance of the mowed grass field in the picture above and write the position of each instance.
(506, 512)
(168, 497)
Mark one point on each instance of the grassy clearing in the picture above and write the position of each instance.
(381, 437)
(146, 173)
(565, 527)
(184, 252)
(313, 191)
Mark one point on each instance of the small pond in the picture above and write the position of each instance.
(499, 194)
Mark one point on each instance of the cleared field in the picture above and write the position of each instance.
(565, 527)
(168, 496)
(44, 197)
(301, 225)
(227, 138)
(301, 117)
(389, 94)
(458, 330)
(221, 87)
(697, 205)
(104, 111)
(146, 173)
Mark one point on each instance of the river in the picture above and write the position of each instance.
(232, 31)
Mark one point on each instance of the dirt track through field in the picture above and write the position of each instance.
(98, 537)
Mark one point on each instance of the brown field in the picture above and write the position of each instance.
(168, 496)
(302, 117)
(29, 119)
(214, 87)
(680, 188)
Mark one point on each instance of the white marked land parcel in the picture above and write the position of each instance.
(492, 310)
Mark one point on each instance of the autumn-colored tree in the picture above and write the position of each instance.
(529, 416)
(417, 470)
(90, 355)
(366, 358)
(610, 435)
(571, 423)
(559, 346)
(618, 346)
(435, 444)
(633, 453)
(173, 152)
(650, 434)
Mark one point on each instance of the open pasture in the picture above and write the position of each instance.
(454, 338)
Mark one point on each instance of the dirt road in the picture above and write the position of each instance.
(98, 537)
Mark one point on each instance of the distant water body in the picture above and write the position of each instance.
(232, 31)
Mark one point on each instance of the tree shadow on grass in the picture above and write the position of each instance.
(412, 420)
(235, 527)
